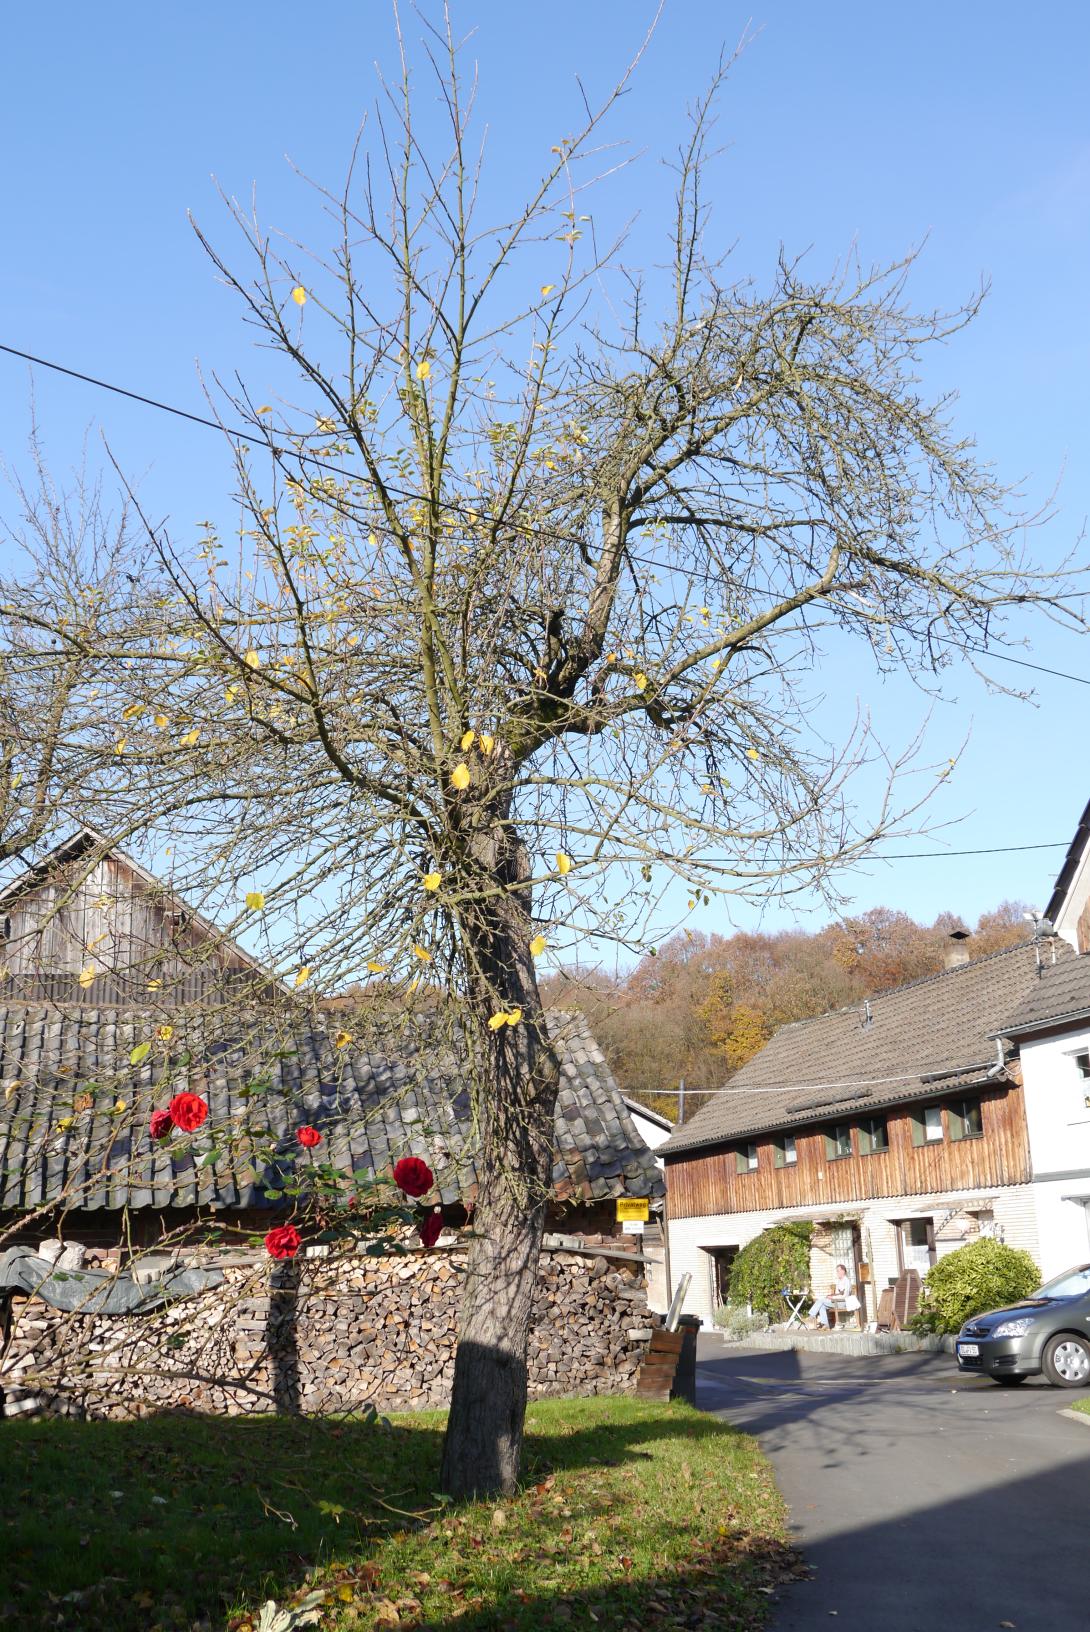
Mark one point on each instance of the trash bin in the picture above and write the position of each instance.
(685, 1376)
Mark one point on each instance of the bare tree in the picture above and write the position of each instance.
(526, 612)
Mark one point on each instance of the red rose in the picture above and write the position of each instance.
(160, 1124)
(413, 1176)
(432, 1228)
(308, 1137)
(188, 1111)
(283, 1242)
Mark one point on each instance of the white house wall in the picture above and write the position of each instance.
(1015, 1222)
(1058, 1118)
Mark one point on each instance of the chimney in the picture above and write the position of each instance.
(957, 952)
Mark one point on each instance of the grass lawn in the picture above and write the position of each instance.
(632, 1515)
(1081, 1405)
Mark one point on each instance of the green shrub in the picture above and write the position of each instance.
(984, 1275)
(777, 1258)
(736, 1322)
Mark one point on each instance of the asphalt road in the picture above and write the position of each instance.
(921, 1499)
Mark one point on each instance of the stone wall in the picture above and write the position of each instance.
(321, 1335)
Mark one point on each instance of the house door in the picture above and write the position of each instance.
(722, 1262)
(846, 1245)
(917, 1238)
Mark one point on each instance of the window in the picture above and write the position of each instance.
(965, 1120)
(838, 1142)
(785, 1152)
(927, 1125)
(873, 1136)
(1082, 1066)
(745, 1159)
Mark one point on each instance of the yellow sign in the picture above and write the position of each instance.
(633, 1209)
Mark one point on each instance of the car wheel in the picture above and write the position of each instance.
(1011, 1382)
(1066, 1361)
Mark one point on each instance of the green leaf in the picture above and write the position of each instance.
(139, 1053)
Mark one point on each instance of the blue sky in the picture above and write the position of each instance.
(879, 127)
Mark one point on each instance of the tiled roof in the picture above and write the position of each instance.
(372, 1107)
(1062, 992)
(921, 1039)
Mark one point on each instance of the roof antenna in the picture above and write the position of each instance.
(1043, 930)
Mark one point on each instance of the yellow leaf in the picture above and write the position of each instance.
(717, 662)
(342, 1039)
(432, 881)
(87, 976)
(299, 295)
(119, 746)
(139, 1053)
(423, 369)
(422, 953)
(65, 1123)
(120, 1105)
(161, 721)
(513, 1016)
(191, 738)
(641, 682)
(302, 976)
(255, 900)
(459, 777)
(497, 1021)
(266, 408)
(9, 1089)
(164, 1033)
(563, 863)
(132, 711)
(372, 540)
(611, 657)
(252, 659)
(155, 985)
(376, 968)
(547, 289)
(751, 753)
(468, 740)
(537, 946)
(487, 743)
(98, 939)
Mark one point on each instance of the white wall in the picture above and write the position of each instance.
(1059, 1145)
(690, 1238)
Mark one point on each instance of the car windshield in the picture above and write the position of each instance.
(1071, 1284)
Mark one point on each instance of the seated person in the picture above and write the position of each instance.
(840, 1292)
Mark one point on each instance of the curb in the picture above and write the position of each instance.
(1074, 1416)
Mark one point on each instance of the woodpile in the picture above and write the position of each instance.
(322, 1335)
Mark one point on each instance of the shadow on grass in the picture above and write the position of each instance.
(180, 1519)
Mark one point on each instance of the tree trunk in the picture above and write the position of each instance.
(516, 1078)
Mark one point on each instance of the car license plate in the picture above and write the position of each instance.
(969, 1348)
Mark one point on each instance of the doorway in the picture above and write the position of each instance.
(916, 1244)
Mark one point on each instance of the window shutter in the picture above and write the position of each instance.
(916, 1123)
(741, 1161)
(779, 1159)
(955, 1121)
(830, 1147)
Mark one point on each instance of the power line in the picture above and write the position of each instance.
(898, 855)
(531, 530)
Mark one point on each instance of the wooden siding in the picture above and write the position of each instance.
(706, 1181)
(109, 920)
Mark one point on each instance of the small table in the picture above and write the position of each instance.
(794, 1301)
